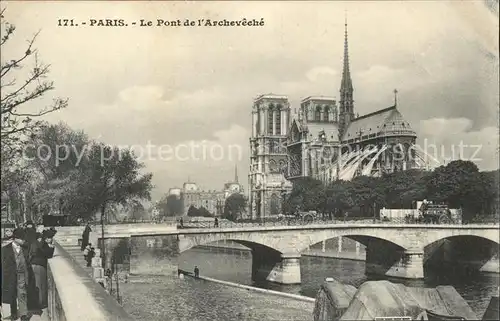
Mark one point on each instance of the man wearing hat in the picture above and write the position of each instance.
(42, 250)
(18, 283)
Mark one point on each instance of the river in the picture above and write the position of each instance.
(166, 298)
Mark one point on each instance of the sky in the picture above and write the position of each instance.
(187, 92)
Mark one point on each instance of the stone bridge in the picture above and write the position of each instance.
(393, 250)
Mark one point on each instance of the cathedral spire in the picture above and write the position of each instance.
(346, 113)
(346, 73)
(236, 173)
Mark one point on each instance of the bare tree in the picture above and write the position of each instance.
(21, 84)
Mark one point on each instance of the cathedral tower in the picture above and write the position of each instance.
(346, 103)
(268, 156)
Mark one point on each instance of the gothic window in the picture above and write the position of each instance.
(278, 120)
(317, 116)
(295, 161)
(275, 204)
(270, 112)
(273, 167)
(282, 166)
(272, 146)
(327, 113)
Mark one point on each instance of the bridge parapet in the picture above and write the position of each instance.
(74, 296)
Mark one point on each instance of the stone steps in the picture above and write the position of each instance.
(77, 255)
(67, 239)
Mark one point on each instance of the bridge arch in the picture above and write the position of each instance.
(269, 262)
(461, 253)
(433, 236)
(366, 241)
(250, 240)
(361, 235)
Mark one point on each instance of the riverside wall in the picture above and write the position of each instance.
(74, 295)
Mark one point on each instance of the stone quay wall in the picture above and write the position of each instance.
(74, 295)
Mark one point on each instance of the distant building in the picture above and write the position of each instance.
(175, 191)
(212, 200)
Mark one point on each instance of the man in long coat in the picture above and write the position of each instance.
(85, 236)
(42, 250)
(18, 280)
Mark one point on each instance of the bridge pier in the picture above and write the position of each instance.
(405, 264)
(410, 266)
(387, 259)
(287, 271)
(272, 266)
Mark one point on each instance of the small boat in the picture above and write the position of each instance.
(493, 310)
(432, 316)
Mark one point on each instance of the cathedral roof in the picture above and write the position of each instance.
(314, 129)
(331, 130)
(384, 122)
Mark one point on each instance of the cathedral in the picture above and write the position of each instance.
(324, 140)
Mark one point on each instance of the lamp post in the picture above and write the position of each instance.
(374, 212)
(103, 247)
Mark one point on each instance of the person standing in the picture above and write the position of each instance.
(30, 229)
(85, 236)
(18, 282)
(196, 272)
(90, 255)
(41, 251)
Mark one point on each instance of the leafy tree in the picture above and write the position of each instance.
(170, 205)
(174, 205)
(307, 194)
(202, 211)
(193, 211)
(137, 211)
(491, 199)
(234, 206)
(338, 198)
(403, 188)
(366, 192)
(458, 184)
(111, 177)
(56, 152)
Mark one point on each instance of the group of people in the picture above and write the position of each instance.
(24, 270)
